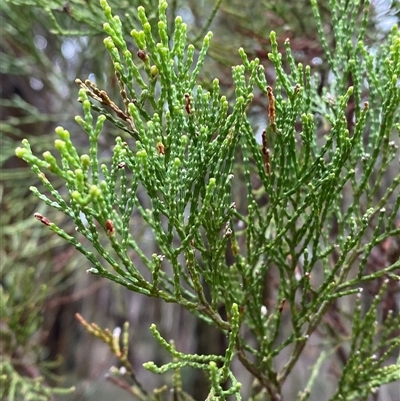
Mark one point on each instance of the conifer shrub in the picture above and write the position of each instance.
(289, 248)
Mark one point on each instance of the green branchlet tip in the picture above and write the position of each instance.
(82, 94)
(85, 160)
(139, 38)
(142, 154)
(150, 365)
(59, 145)
(76, 196)
(95, 191)
(21, 152)
(62, 133)
(48, 157)
(153, 71)
(108, 42)
(208, 38)
(212, 182)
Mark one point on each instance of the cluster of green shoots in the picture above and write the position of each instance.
(308, 202)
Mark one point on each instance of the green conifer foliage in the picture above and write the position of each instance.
(312, 207)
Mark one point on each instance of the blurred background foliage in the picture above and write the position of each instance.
(46, 45)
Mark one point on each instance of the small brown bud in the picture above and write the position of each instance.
(110, 228)
(67, 9)
(160, 148)
(265, 152)
(187, 103)
(282, 304)
(142, 55)
(271, 107)
(42, 219)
